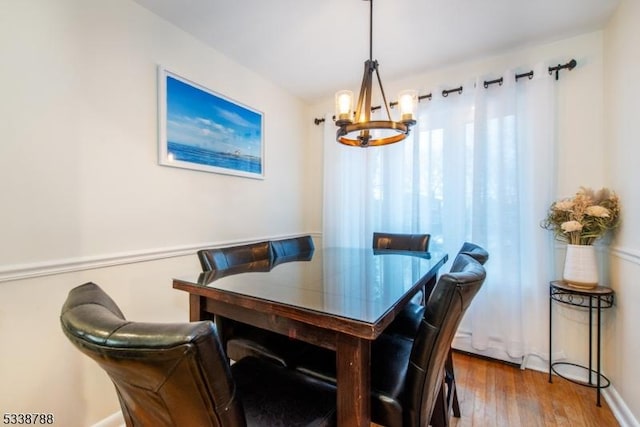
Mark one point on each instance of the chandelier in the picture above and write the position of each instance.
(357, 128)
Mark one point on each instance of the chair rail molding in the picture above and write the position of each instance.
(628, 254)
(68, 265)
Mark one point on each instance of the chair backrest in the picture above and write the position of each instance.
(233, 256)
(469, 249)
(474, 251)
(292, 249)
(443, 312)
(172, 374)
(401, 242)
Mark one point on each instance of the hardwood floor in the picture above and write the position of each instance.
(493, 394)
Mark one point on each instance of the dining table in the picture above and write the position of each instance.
(336, 298)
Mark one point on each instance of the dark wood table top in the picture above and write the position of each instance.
(354, 285)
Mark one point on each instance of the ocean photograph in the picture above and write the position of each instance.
(202, 156)
(210, 132)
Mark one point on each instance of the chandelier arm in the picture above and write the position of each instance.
(364, 87)
(365, 135)
(369, 66)
(384, 97)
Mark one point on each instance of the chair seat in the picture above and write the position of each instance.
(389, 360)
(275, 396)
(250, 341)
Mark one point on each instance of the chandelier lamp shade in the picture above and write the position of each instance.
(355, 128)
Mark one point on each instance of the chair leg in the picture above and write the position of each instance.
(452, 392)
(440, 415)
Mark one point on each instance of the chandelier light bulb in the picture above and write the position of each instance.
(344, 105)
(408, 101)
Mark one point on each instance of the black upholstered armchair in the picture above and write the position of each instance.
(408, 372)
(177, 374)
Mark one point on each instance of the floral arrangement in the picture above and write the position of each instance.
(581, 219)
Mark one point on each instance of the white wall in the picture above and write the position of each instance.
(79, 137)
(622, 104)
(81, 190)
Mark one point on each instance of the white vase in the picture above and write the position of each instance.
(580, 266)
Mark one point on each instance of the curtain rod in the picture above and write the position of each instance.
(568, 66)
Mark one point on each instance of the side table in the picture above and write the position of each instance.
(596, 299)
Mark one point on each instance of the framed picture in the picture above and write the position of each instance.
(203, 130)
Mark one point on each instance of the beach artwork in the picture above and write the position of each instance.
(205, 131)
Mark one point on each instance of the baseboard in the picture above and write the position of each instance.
(489, 358)
(69, 265)
(462, 342)
(113, 420)
(619, 408)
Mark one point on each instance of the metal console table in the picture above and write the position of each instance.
(596, 299)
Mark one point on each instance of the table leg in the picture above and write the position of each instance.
(598, 352)
(590, 348)
(353, 365)
(196, 309)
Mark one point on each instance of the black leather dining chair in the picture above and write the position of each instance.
(292, 249)
(408, 320)
(240, 339)
(232, 256)
(401, 242)
(407, 374)
(177, 375)
(474, 251)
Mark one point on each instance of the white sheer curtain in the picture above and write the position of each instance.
(478, 167)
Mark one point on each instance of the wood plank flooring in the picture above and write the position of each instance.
(494, 394)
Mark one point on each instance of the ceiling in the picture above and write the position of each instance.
(313, 48)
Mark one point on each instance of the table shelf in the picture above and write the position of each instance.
(604, 381)
(595, 299)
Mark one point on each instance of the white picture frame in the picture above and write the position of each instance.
(202, 130)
